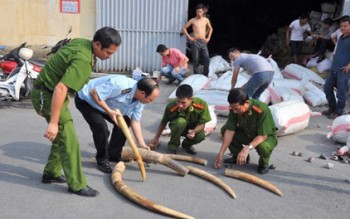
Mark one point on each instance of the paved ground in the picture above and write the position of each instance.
(310, 190)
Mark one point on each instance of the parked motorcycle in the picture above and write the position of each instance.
(18, 83)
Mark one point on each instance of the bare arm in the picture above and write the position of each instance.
(228, 136)
(192, 132)
(111, 113)
(184, 30)
(234, 77)
(210, 31)
(136, 129)
(155, 140)
(58, 98)
(243, 154)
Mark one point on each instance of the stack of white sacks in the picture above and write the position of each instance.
(290, 94)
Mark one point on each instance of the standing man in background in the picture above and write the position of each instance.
(63, 75)
(295, 35)
(202, 31)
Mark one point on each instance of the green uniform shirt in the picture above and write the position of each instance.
(196, 113)
(256, 121)
(72, 65)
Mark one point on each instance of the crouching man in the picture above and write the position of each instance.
(249, 126)
(187, 116)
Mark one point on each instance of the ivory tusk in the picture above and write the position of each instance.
(122, 124)
(253, 179)
(127, 192)
(158, 158)
(205, 175)
(188, 159)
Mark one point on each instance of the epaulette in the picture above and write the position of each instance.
(257, 109)
(172, 109)
(198, 106)
(125, 91)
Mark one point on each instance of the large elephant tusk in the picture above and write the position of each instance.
(188, 159)
(253, 179)
(122, 124)
(158, 158)
(205, 175)
(127, 192)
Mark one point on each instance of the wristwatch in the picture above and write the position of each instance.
(250, 147)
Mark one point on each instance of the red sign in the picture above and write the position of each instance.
(70, 6)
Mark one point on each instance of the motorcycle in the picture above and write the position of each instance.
(18, 83)
(9, 60)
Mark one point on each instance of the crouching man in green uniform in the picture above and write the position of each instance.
(249, 126)
(63, 75)
(187, 116)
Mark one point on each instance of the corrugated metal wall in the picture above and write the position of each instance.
(143, 24)
(346, 7)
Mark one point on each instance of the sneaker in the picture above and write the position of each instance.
(327, 112)
(333, 116)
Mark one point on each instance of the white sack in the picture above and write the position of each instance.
(299, 72)
(217, 98)
(313, 95)
(217, 64)
(197, 82)
(340, 129)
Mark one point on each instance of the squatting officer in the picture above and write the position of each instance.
(187, 116)
(64, 74)
(250, 125)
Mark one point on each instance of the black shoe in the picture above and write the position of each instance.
(333, 116)
(233, 160)
(104, 167)
(50, 179)
(263, 170)
(327, 112)
(171, 151)
(171, 81)
(86, 191)
(190, 150)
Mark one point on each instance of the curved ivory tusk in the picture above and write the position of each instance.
(122, 124)
(205, 175)
(188, 159)
(158, 158)
(135, 197)
(253, 179)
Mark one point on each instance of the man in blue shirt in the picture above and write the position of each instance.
(339, 75)
(97, 102)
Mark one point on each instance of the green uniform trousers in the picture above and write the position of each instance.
(264, 149)
(179, 127)
(65, 150)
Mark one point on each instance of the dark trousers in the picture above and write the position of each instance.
(322, 45)
(106, 151)
(200, 50)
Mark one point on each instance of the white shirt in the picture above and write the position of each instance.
(297, 30)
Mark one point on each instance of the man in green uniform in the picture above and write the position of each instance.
(250, 125)
(187, 116)
(63, 75)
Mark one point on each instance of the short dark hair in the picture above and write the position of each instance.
(107, 36)
(345, 19)
(237, 95)
(233, 49)
(200, 6)
(161, 48)
(147, 85)
(328, 21)
(304, 15)
(184, 91)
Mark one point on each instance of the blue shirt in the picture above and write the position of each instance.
(342, 54)
(118, 93)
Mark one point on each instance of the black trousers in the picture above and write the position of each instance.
(106, 151)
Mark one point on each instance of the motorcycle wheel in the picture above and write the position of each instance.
(25, 90)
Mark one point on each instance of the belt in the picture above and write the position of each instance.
(41, 87)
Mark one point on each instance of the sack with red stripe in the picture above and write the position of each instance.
(340, 129)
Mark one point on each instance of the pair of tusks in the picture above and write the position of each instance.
(253, 179)
(138, 199)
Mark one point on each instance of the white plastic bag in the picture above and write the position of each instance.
(340, 129)
(196, 81)
(298, 72)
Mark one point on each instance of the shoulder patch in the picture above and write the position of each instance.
(257, 109)
(198, 106)
(125, 91)
(172, 109)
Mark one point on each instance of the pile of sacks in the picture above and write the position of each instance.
(289, 95)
